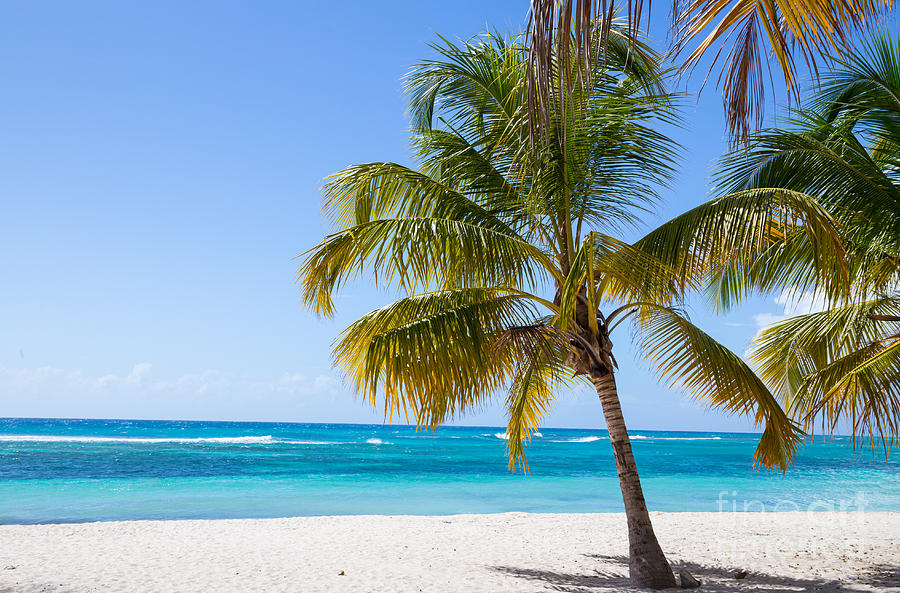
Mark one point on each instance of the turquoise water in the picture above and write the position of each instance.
(99, 470)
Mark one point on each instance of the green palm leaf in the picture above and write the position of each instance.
(738, 241)
(540, 373)
(419, 252)
(375, 191)
(837, 363)
(433, 355)
(687, 357)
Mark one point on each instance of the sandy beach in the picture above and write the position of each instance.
(509, 553)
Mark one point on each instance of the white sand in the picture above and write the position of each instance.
(515, 553)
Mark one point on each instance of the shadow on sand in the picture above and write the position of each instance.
(715, 579)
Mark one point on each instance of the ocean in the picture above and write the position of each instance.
(54, 470)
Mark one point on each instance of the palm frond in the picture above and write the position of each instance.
(788, 351)
(432, 356)
(419, 252)
(616, 157)
(473, 86)
(865, 86)
(540, 372)
(748, 31)
(745, 34)
(686, 357)
(627, 273)
(486, 172)
(373, 191)
(838, 364)
(732, 240)
(816, 158)
(859, 388)
(577, 296)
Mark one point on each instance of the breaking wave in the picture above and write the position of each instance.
(579, 440)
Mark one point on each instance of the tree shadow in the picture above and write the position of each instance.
(715, 579)
(569, 582)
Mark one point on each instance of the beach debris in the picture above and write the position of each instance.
(741, 574)
(687, 579)
(340, 574)
(10, 567)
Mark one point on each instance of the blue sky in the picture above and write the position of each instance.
(160, 166)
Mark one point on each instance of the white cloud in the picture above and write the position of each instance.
(792, 303)
(297, 383)
(766, 319)
(49, 391)
(138, 372)
(802, 303)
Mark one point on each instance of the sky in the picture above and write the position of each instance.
(160, 170)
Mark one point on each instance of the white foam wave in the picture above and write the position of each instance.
(375, 441)
(33, 438)
(637, 437)
(579, 440)
(505, 436)
(644, 437)
(690, 438)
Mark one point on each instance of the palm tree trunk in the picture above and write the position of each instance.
(647, 565)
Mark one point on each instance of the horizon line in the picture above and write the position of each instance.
(424, 429)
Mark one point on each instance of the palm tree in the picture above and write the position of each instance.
(744, 33)
(512, 280)
(842, 364)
